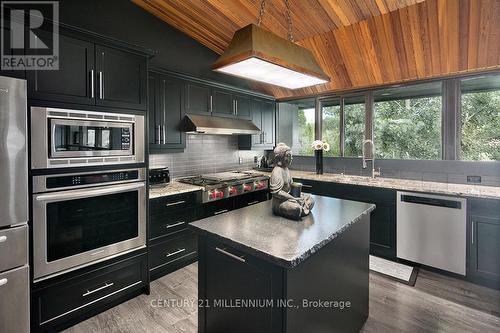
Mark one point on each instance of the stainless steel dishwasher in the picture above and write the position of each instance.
(431, 230)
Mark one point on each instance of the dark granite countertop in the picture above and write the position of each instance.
(256, 230)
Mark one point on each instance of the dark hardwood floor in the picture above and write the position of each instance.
(435, 304)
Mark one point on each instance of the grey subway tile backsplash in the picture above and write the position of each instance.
(205, 154)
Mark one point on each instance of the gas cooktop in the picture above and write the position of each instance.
(223, 185)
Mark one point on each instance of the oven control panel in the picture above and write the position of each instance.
(62, 181)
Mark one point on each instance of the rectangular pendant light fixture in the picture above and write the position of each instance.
(257, 54)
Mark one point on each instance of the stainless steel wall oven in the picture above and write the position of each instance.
(80, 219)
(69, 138)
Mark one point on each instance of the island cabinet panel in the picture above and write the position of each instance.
(483, 265)
(231, 276)
(337, 272)
(383, 218)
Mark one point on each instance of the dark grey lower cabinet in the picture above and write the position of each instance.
(62, 302)
(483, 264)
(382, 219)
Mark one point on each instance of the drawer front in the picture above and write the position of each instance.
(165, 224)
(79, 292)
(250, 199)
(179, 246)
(217, 207)
(14, 301)
(13, 241)
(172, 203)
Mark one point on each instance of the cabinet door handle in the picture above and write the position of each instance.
(175, 224)
(92, 87)
(211, 104)
(175, 203)
(90, 292)
(252, 202)
(3, 239)
(221, 211)
(3, 282)
(234, 256)
(101, 85)
(308, 186)
(164, 134)
(175, 252)
(158, 137)
(472, 232)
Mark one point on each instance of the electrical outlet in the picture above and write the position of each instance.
(240, 160)
(255, 159)
(474, 179)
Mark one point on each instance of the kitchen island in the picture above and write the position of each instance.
(263, 273)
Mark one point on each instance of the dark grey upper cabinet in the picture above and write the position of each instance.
(121, 78)
(73, 82)
(198, 99)
(92, 74)
(223, 104)
(6, 36)
(263, 116)
(166, 112)
(243, 106)
(268, 128)
(483, 265)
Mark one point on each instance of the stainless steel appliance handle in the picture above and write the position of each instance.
(234, 256)
(211, 104)
(90, 292)
(3, 282)
(164, 134)
(472, 232)
(221, 211)
(158, 140)
(175, 203)
(175, 252)
(92, 87)
(101, 85)
(236, 108)
(175, 224)
(85, 193)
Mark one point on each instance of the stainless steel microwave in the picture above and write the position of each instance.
(71, 138)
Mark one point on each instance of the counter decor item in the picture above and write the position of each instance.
(284, 203)
(320, 146)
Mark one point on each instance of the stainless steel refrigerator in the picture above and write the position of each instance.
(14, 272)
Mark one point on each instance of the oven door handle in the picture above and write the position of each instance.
(85, 193)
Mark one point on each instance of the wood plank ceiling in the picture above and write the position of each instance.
(358, 43)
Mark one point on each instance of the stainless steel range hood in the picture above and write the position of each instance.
(194, 123)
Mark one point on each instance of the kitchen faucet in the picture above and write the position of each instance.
(372, 144)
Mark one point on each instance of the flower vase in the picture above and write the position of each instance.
(319, 161)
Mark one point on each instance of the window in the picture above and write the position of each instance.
(407, 122)
(296, 122)
(480, 118)
(354, 125)
(330, 131)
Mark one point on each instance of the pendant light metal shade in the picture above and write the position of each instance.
(260, 55)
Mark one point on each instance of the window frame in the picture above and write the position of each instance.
(450, 118)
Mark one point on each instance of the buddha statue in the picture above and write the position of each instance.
(284, 204)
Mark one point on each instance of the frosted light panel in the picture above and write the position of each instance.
(260, 70)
